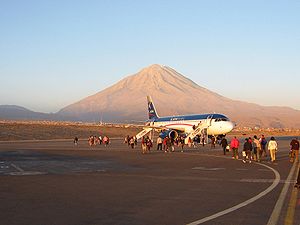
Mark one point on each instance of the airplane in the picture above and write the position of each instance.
(188, 126)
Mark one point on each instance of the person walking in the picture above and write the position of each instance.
(165, 147)
(148, 144)
(263, 144)
(128, 140)
(100, 139)
(169, 145)
(213, 142)
(202, 140)
(295, 150)
(190, 142)
(182, 143)
(131, 142)
(75, 141)
(106, 140)
(159, 143)
(234, 145)
(224, 144)
(135, 141)
(247, 149)
(273, 148)
(143, 145)
(256, 149)
(91, 140)
(297, 185)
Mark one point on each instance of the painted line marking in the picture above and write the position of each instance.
(17, 168)
(278, 207)
(207, 169)
(4, 167)
(265, 181)
(26, 173)
(289, 219)
(242, 169)
(245, 203)
(264, 170)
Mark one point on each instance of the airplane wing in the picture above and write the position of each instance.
(163, 128)
(147, 129)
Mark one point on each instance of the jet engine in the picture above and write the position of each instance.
(169, 133)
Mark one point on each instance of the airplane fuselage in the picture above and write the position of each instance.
(218, 124)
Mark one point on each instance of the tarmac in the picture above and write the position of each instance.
(55, 182)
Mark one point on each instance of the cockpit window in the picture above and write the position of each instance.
(221, 119)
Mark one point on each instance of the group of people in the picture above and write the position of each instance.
(165, 144)
(259, 148)
(168, 144)
(93, 140)
(253, 148)
(146, 144)
(131, 141)
(256, 149)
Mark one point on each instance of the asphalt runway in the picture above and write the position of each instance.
(55, 182)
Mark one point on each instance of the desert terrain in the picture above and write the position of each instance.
(47, 130)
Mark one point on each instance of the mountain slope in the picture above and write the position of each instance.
(172, 94)
(14, 112)
(17, 112)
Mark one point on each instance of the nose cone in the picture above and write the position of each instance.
(229, 126)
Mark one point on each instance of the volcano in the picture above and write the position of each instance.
(173, 94)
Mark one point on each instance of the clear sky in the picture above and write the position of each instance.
(54, 53)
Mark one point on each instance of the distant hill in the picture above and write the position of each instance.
(18, 112)
(14, 112)
(172, 94)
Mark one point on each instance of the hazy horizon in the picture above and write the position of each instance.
(54, 53)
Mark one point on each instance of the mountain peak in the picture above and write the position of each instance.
(153, 67)
(154, 71)
(158, 76)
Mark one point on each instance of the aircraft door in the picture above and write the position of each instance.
(204, 136)
(209, 119)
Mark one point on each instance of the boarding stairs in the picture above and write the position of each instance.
(144, 132)
(199, 130)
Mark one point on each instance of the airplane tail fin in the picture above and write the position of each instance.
(151, 109)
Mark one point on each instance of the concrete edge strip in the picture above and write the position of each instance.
(289, 218)
(278, 207)
(245, 203)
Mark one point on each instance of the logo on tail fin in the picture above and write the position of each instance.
(151, 109)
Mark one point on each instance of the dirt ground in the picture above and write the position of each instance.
(45, 130)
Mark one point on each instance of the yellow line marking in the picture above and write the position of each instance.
(279, 204)
(289, 218)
